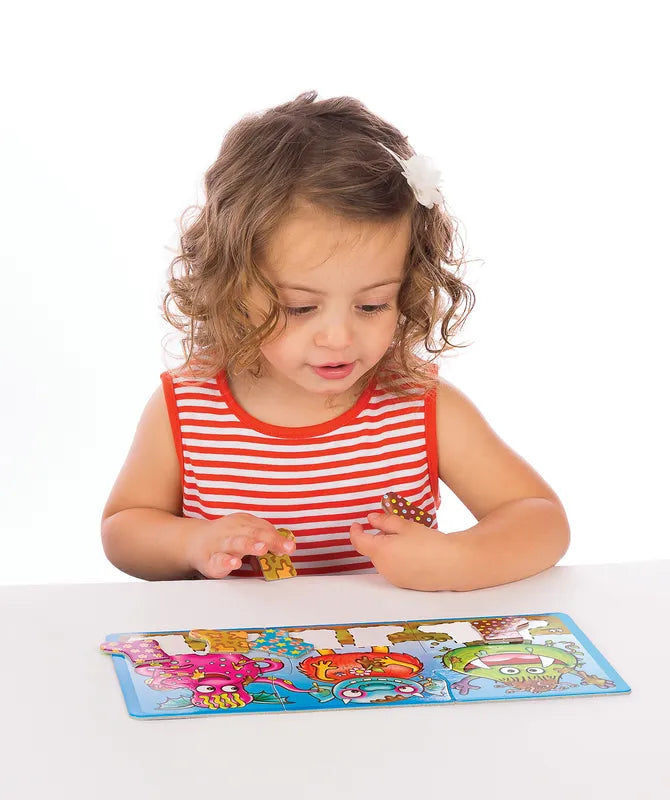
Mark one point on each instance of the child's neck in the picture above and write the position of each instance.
(276, 404)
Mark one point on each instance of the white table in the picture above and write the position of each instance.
(65, 731)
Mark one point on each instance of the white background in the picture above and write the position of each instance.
(550, 126)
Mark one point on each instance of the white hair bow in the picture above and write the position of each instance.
(422, 176)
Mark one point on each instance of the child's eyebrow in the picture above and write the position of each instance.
(316, 291)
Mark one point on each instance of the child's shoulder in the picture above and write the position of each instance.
(459, 420)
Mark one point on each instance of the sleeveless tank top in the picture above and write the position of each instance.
(315, 480)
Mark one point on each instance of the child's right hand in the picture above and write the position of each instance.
(217, 548)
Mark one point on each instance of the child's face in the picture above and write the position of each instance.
(335, 318)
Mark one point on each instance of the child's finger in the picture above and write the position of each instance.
(391, 523)
(367, 544)
(245, 546)
(221, 564)
(257, 545)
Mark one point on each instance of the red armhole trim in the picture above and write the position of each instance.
(171, 403)
(430, 411)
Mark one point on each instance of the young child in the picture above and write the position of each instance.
(321, 266)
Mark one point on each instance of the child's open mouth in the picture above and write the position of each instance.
(335, 371)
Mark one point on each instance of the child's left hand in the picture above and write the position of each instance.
(406, 553)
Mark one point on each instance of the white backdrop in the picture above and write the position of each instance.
(550, 126)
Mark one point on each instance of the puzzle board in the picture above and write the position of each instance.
(357, 665)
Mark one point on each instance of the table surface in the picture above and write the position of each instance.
(65, 730)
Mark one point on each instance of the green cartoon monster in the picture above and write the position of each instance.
(519, 668)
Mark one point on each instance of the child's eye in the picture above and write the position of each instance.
(296, 312)
(368, 310)
(375, 309)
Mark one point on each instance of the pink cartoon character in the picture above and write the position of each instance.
(217, 680)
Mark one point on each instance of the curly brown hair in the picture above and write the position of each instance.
(323, 153)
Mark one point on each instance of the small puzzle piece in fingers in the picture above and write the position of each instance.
(394, 503)
(277, 567)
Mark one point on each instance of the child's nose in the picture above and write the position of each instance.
(336, 334)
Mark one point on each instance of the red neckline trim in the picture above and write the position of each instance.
(291, 432)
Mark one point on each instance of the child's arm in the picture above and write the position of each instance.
(143, 532)
(522, 528)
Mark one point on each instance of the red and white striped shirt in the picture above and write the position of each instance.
(315, 480)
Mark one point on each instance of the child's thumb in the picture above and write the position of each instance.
(367, 544)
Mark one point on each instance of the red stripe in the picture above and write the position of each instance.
(170, 402)
(415, 407)
(373, 405)
(359, 476)
(306, 467)
(350, 553)
(249, 454)
(300, 509)
(337, 568)
(330, 542)
(380, 432)
(376, 487)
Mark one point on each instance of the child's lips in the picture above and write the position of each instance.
(334, 371)
(334, 364)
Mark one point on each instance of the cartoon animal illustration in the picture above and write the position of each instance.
(217, 680)
(374, 676)
(532, 668)
(332, 667)
(379, 690)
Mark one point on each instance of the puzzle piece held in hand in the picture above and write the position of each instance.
(394, 503)
(277, 567)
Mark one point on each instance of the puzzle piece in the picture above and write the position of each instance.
(503, 629)
(222, 641)
(277, 567)
(139, 651)
(547, 626)
(394, 503)
(277, 640)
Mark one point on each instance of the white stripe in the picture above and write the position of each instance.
(320, 551)
(326, 477)
(382, 398)
(179, 390)
(219, 437)
(317, 538)
(202, 402)
(361, 426)
(254, 450)
(360, 430)
(212, 398)
(299, 567)
(404, 471)
(290, 519)
(367, 413)
(222, 417)
(371, 413)
(185, 381)
(342, 459)
(334, 562)
(191, 488)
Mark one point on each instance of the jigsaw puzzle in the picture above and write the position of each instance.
(357, 665)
